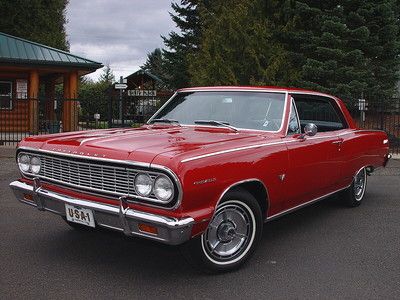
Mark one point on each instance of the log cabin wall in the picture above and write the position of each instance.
(25, 66)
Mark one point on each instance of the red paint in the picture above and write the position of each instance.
(312, 167)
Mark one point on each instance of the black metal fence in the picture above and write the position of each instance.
(20, 118)
(24, 117)
(15, 120)
(382, 115)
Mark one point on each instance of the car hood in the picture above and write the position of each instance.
(145, 143)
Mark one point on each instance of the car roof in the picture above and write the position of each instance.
(255, 88)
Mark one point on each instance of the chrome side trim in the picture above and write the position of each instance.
(236, 149)
(369, 130)
(287, 211)
(266, 144)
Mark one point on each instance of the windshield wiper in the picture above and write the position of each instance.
(216, 123)
(169, 121)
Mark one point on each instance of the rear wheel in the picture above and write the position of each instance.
(231, 236)
(354, 195)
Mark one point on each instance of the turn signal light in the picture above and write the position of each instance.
(28, 197)
(148, 229)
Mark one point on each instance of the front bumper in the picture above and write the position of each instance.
(122, 218)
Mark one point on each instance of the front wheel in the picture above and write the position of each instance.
(354, 195)
(231, 236)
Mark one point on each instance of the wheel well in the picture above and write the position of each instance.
(258, 191)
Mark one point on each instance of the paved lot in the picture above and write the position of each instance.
(324, 251)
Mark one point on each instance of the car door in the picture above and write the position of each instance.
(313, 170)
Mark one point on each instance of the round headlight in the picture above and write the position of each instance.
(143, 184)
(35, 165)
(163, 188)
(24, 162)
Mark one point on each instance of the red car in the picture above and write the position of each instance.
(206, 171)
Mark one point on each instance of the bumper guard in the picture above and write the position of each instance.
(170, 231)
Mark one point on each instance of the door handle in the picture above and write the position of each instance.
(337, 142)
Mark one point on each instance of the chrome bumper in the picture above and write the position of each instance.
(387, 157)
(122, 218)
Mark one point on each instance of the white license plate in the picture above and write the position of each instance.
(79, 215)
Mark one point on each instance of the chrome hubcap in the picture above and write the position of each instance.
(359, 184)
(229, 233)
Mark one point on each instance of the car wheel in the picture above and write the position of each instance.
(354, 195)
(231, 236)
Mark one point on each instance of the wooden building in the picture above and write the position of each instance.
(25, 67)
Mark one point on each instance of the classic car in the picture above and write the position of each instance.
(207, 170)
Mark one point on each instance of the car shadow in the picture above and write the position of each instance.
(112, 252)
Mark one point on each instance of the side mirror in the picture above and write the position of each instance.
(309, 130)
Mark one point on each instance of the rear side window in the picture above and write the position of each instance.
(321, 112)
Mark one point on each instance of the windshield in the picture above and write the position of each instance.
(245, 110)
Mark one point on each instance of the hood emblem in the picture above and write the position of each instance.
(78, 153)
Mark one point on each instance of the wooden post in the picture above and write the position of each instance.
(33, 101)
(70, 106)
(73, 92)
(50, 91)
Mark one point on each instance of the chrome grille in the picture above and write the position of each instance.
(96, 176)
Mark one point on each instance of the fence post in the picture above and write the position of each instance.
(110, 107)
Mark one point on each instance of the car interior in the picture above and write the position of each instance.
(321, 111)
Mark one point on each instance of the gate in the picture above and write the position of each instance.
(133, 111)
(382, 115)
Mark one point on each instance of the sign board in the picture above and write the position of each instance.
(362, 105)
(22, 88)
(96, 116)
(120, 86)
(142, 93)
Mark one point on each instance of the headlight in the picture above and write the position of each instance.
(143, 184)
(35, 165)
(163, 188)
(24, 162)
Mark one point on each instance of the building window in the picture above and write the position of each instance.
(5, 95)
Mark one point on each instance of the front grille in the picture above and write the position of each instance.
(93, 175)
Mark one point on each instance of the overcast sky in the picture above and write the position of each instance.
(119, 33)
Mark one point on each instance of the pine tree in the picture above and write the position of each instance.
(40, 21)
(347, 48)
(155, 63)
(107, 77)
(236, 46)
(181, 45)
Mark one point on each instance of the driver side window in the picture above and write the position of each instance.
(319, 111)
(294, 125)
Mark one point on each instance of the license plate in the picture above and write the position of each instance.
(79, 215)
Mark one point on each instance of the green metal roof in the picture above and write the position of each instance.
(20, 51)
(144, 72)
